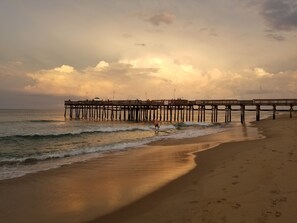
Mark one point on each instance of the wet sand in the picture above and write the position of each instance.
(250, 181)
(85, 191)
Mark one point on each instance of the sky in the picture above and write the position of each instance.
(51, 51)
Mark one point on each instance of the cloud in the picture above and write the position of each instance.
(260, 72)
(157, 77)
(64, 69)
(16, 63)
(162, 17)
(101, 66)
(90, 82)
(275, 36)
(280, 14)
(271, 85)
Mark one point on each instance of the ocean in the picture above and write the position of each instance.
(38, 140)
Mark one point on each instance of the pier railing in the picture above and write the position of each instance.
(173, 110)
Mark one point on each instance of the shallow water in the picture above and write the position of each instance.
(35, 140)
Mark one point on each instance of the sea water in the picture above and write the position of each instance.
(37, 140)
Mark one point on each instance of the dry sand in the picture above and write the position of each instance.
(251, 181)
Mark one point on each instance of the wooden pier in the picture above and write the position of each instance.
(179, 110)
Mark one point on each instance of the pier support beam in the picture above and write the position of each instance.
(214, 113)
(274, 111)
(242, 116)
(258, 108)
(227, 113)
(201, 113)
(71, 112)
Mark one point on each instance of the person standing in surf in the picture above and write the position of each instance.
(157, 125)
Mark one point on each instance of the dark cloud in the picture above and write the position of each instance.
(274, 36)
(280, 14)
(162, 17)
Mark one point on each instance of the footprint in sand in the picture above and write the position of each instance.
(275, 191)
(290, 153)
(236, 206)
(278, 200)
(277, 214)
(234, 183)
(221, 200)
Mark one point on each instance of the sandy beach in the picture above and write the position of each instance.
(251, 181)
(237, 181)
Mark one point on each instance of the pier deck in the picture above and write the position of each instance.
(174, 110)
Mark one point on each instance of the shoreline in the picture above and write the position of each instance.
(73, 191)
(35, 162)
(247, 181)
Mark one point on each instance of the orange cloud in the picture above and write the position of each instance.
(157, 77)
(64, 69)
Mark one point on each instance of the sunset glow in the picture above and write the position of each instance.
(242, 49)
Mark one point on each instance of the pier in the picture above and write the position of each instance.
(178, 110)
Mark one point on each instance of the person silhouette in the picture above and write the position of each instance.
(157, 125)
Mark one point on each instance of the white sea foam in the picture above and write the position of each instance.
(93, 129)
(57, 159)
(193, 133)
(52, 161)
